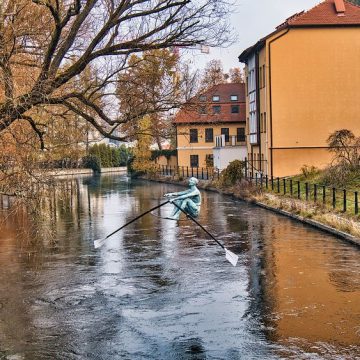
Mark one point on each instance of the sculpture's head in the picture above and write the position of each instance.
(193, 181)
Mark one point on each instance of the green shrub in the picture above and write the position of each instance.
(110, 156)
(340, 176)
(309, 171)
(233, 173)
(92, 162)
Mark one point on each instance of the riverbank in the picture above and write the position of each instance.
(315, 215)
(75, 172)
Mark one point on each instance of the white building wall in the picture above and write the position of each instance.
(223, 156)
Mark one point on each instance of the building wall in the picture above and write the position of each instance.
(290, 161)
(164, 161)
(224, 155)
(315, 80)
(257, 119)
(201, 148)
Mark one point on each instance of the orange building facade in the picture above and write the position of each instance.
(218, 111)
(302, 84)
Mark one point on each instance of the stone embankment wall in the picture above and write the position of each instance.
(70, 172)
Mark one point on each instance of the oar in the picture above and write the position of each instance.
(99, 242)
(230, 256)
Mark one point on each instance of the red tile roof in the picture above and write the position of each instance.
(190, 112)
(329, 12)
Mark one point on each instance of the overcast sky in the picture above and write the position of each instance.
(252, 20)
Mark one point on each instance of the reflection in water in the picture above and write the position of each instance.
(163, 290)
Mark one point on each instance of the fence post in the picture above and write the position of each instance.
(298, 190)
(334, 198)
(256, 179)
(187, 171)
(278, 184)
(197, 172)
(261, 180)
(272, 183)
(324, 194)
(356, 203)
(246, 169)
(192, 171)
(307, 191)
(202, 173)
(266, 181)
(291, 187)
(315, 192)
(344, 200)
(284, 181)
(218, 173)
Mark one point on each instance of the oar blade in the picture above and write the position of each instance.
(231, 257)
(99, 242)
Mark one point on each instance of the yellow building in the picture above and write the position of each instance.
(303, 84)
(216, 115)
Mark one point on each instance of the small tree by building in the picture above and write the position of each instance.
(346, 148)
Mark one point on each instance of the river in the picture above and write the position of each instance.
(164, 290)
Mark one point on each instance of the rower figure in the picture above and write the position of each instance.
(188, 200)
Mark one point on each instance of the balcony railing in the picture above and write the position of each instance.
(220, 141)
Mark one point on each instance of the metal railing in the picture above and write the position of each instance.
(189, 171)
(337, 199)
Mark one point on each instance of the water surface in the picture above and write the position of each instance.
(162, 290)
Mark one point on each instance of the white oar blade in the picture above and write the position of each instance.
(231, 257)
(99, 242)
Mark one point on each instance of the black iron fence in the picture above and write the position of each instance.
(338, 199)
(189, 171)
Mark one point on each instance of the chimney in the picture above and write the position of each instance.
(340, 7)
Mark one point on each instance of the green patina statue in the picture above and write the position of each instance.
(188, 200)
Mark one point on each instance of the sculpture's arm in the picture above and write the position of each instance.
(176, 193)
(186, 194)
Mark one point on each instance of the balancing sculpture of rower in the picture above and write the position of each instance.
(188, 200)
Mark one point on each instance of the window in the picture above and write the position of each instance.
(216, 98)
(209, 160)
(209, 135)
(240, 134)
(234, 109)
(225, 131)
(202, 109)
(193, 135)
(233, 97)
(202, 97)
(194, 160)
(216, 109)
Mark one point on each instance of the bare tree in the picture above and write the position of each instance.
(346, 148)
(46, 46)
(213, 75)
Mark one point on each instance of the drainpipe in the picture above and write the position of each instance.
(270, 95)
